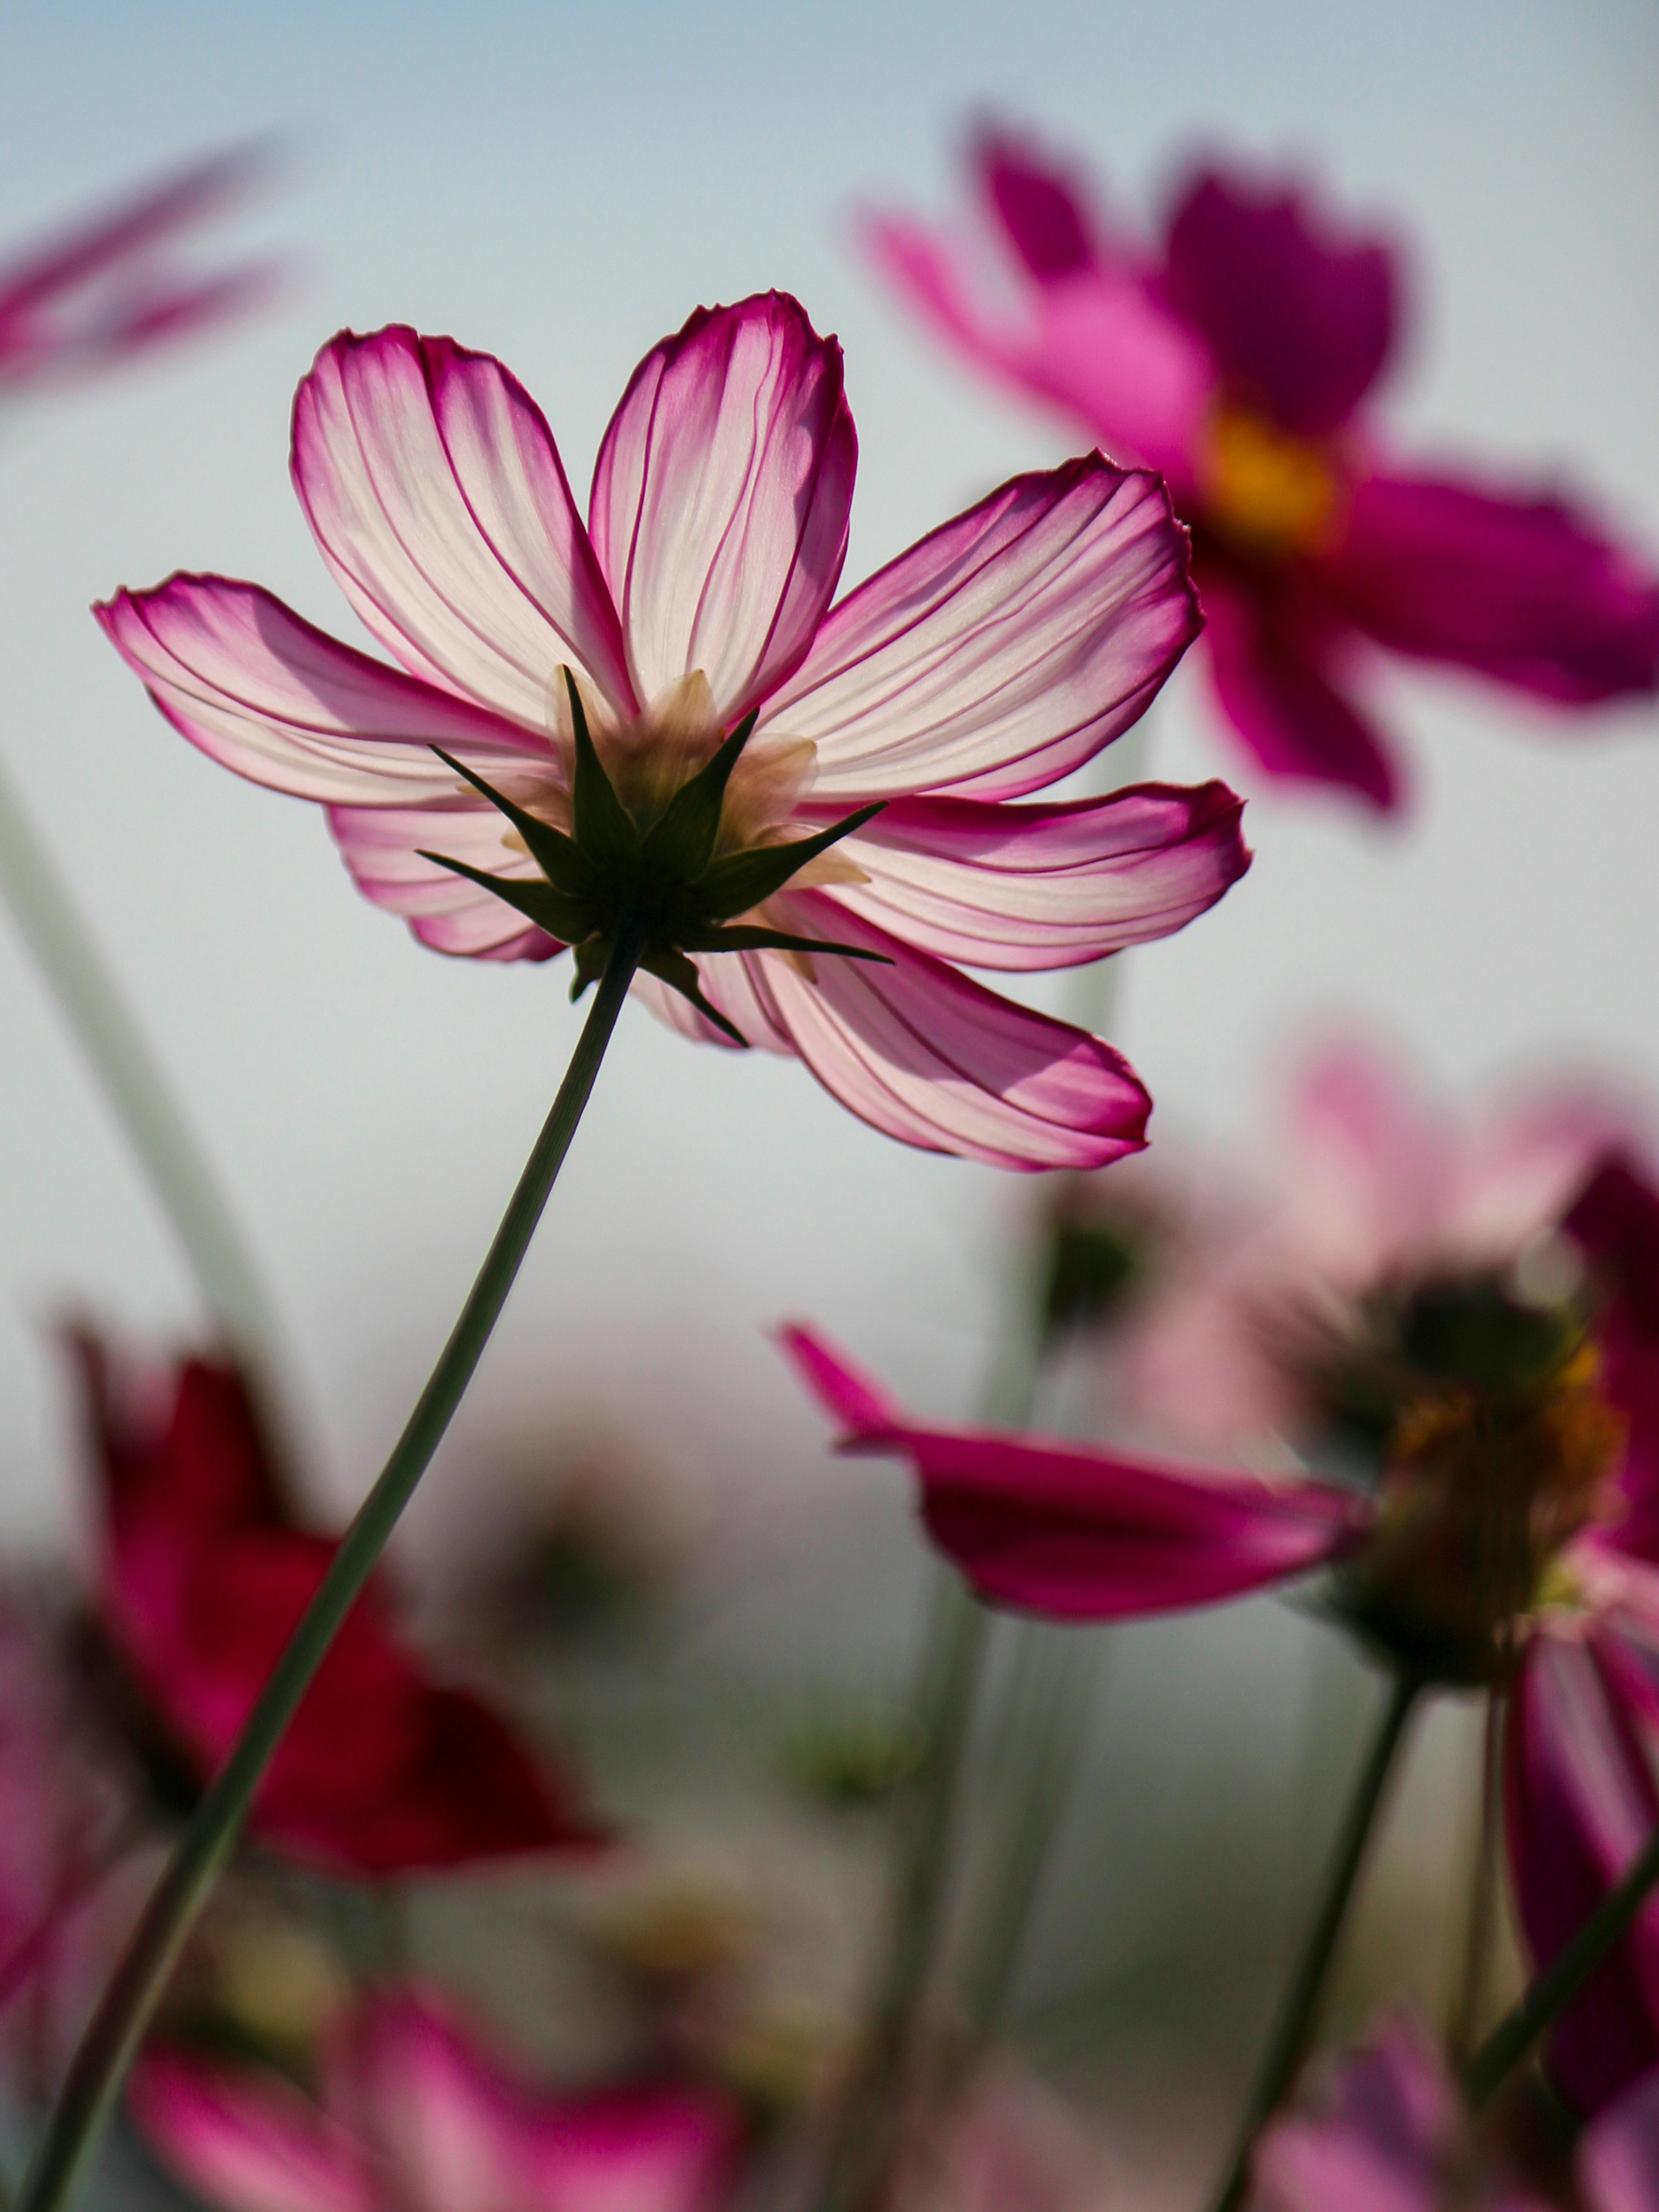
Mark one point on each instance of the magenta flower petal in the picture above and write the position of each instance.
(1078, 1532)
(1527, 590)
(1300, 321)
(243, 2138)
(1096, 348)
(383, 847)
(1580, 1803)
(1618, 2158)
(1041, 211)
(439, 500)
(929, 1057)
(1036, 886)
(722, 500)
(1615, 1222)
(1005, 648)
(261, 691)
(1270, 671)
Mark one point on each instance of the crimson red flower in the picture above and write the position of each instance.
(1241, 362)
(204, 1572)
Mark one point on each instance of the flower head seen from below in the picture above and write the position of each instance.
(804, 810)
(412, 2115)
(1241, 359)
(105, 290)
(204, 1570)
(1505, 1532)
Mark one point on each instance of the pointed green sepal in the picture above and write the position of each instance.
(737, 936)
(550, 909)
(681, 843)
(742, 880)
(681, 974)
(554, 853)
(591, 953)
(605, 829)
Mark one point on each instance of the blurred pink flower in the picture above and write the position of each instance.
(1240, 362)
(103, 291)
(202, 1573)
(412, 2116)
(1512, 1532)
(995, 656)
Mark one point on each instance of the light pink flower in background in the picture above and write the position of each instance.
(1512, 1532)
(1240, 358)
(412, 2115)
(995, 656)
(107, 290)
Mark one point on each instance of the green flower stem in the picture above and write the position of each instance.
(1554, 1989)
(107, 1034)
(107, 2050)
(1481, 1919)
(1288, 2042)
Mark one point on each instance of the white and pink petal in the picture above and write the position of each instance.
(384, 848)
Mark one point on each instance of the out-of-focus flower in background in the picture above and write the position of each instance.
(108, 288)
(1240, 359)
(409, 2113)
(204, 1570)
(996, 655)
(1501, 1531)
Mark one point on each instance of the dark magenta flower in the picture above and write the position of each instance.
(1511, 1534)
(203, 1571)
(106, 288)
(858, 849)
(1241, 359)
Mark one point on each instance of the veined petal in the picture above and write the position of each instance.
(383, 847)
(439, 500)
(243, 2136)
(265, 693)
(1004, 649)
(1075, 1531)
(1036, 887)
(1529, 590)
(1580, 1802)
(922, 1052)
(1270, 671)
(721, 497)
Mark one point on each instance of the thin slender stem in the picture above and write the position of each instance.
(1480, 1921)
(1550, 1994)
(108, 2048)
(109, 1036)
(1294, 2024)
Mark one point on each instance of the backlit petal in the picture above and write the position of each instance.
(382, 846)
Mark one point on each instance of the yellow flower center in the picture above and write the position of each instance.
(1269, 495)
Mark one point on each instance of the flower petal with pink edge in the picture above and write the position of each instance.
(1078, 1532)
(383, 847)
(243, 2138)
(262, 692)
(1529, 591)
(1300, 322)
(1036, 887)
(1580, 1802)
(1270, 667)
(722, 500)
(1618, 2158)
(926, 1055)
(1004, 649)
(439, 500)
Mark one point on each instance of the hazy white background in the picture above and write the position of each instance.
(561, 186)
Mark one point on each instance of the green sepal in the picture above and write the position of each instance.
(604, 826)
(742, 880)
(680, 974)
(740, 937)
(556, 855)
(590, 954)
(567, 919)
(681, 843)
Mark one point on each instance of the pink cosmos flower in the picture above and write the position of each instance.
(1512, 1533)
(1240, 361)
(103, 291)
(203, 1571)
(412, 2116)
(995, 656)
